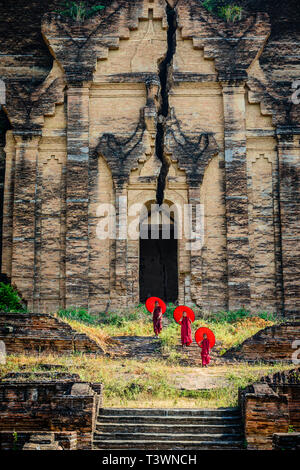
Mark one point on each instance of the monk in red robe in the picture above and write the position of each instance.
(205, 351)
(157, 318)
(186, 331)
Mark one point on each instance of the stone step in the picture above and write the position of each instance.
(177, 420)
(165, 437)
(170, 428)
(159, 429)
(168, 445)
(223, 412)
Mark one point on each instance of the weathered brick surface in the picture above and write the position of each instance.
(269, 407)
(37, 333)
(200, 115)
(286, 441)
(38, 441)
(274, 343)
(63, 406)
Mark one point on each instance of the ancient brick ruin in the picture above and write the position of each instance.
(48, 411)
(272, 344)
(269, 407)
(40, 333)
(155, 101)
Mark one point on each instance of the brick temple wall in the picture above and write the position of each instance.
(153, 107)
(274, 343)
(39, 333)
(270, 406)
(65, 405)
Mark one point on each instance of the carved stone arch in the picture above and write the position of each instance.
(161, 209)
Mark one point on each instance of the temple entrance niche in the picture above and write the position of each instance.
(158, 250)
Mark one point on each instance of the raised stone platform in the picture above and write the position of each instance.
(48, 410)
(286, 441)
(271, 406)
(274, 343)
(38, 333)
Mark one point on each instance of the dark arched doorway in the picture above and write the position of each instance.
(158, 274)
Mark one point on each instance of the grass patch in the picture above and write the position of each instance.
(231, 328)
(94, 332)
(130, 383)
(134, 383)
(77, 314)
(229, 331)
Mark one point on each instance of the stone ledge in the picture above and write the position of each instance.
(270, 407)
(273, 343)
(64, 411)
(42, 333)
(286, 441)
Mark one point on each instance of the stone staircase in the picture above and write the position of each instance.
(168, 429)
(143, 348)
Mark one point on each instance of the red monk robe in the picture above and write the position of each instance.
(186, 331)
(205, 351)
(157, 319)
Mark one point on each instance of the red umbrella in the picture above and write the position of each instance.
(210, 336)
(150, 304)
(178, 312)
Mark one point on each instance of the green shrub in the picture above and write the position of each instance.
(211, 5)
(169, 311)
(270, 316)
(118, 319)
(232, 316)
(231, 13)
(78, 314)
(224, 9)
(79, 11)
(9, 299)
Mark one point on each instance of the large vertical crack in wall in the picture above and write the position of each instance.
(165, 76)
(4, 127)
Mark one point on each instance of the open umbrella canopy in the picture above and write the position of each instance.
(210, 336)
(178, 312)
(150, 304)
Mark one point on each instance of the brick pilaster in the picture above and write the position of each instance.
(77, 245)
(236, 197)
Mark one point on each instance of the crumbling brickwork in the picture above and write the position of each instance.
(38, 334)
(273, 343)
(286, 441)
(270, 406)
(62, 407)
(35, 440)
(154, 101)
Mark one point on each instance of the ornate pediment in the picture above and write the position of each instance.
(192, 151)
(27, 106)
(122, 153)
(233, 46)
(78, 45)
